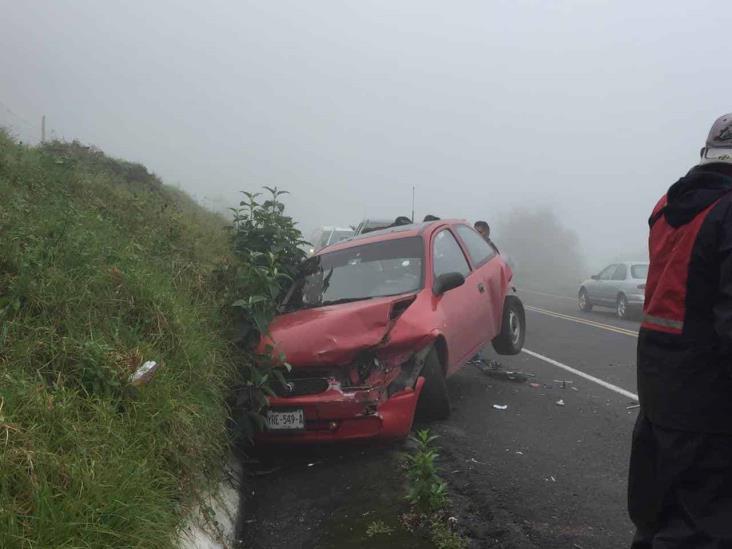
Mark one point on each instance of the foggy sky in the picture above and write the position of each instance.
(591, 107)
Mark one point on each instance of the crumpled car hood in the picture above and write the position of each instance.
(327, 336)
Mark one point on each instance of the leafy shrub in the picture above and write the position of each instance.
(267, 250)
(427, 492)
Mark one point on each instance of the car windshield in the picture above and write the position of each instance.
(390, 267)
(639, 271)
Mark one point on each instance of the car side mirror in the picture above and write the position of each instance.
(448, 281)
(595, 277)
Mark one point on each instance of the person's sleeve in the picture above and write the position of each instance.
(723, 305)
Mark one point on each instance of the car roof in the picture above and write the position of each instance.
(325, 228)
(392, 233)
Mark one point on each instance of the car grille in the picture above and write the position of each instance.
(301, 386)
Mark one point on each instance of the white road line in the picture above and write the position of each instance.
(586, 322)
(579, 373)
(572, 299)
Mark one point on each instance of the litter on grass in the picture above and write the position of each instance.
(144, 373)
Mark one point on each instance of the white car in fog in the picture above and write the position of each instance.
(621, 286)
(325, 236)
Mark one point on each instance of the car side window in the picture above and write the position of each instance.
(608, 272)
(621, 272)
(447, 255)
(478, 249)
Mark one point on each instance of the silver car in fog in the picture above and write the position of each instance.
(621, 286)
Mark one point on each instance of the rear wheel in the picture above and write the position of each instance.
(584, 301)
(513, 329)
(434, 402)
(622, 307)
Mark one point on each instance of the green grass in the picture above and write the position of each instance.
(102, 267)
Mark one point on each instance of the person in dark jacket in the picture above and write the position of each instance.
(680, 482)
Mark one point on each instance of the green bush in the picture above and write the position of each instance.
(427, 492)
(267, 250)
(101, 268)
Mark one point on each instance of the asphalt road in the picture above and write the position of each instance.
(537, 474)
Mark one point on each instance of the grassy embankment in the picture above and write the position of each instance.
(101, 268)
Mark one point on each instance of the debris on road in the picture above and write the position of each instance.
(535, 385)
(574, 388)
(494, 369)
(500, 406)
(560, 402)
(632, 406)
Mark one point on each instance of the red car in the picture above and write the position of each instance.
(375, 324)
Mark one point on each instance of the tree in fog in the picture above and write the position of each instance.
(544, 253)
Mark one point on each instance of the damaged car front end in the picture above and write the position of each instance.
(355, 346)
(315, 405)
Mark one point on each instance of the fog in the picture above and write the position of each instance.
(588, 108)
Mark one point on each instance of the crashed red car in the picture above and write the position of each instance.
(375, 324)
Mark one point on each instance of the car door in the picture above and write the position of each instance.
(600, 290)
(456, 308)
(492, 276)
(616, 285)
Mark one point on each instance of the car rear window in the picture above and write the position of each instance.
(639, 271)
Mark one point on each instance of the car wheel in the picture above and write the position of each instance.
(513, 328)
(622, 307)
(584, 301)
(434, 402)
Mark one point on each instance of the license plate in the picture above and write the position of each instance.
(293, 420)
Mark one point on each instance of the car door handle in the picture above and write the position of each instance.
(481, 288)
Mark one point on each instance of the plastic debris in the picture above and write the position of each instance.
(535, 385)
(574, 388)
(500, 406)
(519, 452)
(494, 369)
(560, 402)
(144, 373)
(632, 406)
(564, 382)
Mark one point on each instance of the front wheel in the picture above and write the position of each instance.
(510, 340)
(583, 301)
(434, 402)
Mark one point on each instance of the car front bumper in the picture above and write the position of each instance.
(337, 415)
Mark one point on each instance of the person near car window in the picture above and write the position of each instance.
(401, 220)
(485, 231)
(680, 480)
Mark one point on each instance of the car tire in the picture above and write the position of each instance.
(434, 401)
(510, 340)
(622, 308)
(583, 301)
